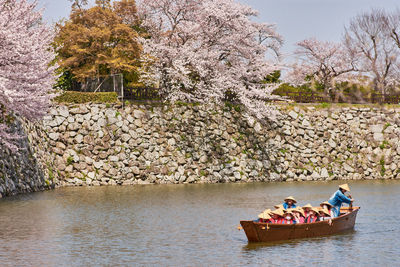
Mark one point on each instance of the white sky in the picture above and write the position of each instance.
(295, 19)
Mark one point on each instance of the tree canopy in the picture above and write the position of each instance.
(203, 50)
(99, 40)
(25, 55)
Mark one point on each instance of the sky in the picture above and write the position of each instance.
(295, 19)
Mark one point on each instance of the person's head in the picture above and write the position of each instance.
(326, 205)
(290, 200)
(288, 215)
(307, 207)
(324, 212)
(314, 212)
(264, 215)
(344, 188)
(276, 214)
(298, 211)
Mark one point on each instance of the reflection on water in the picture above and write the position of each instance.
(188, 225)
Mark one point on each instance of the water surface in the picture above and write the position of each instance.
(189, 225)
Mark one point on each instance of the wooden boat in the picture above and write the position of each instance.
(268, 232)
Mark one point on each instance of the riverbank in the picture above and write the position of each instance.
(107, 144)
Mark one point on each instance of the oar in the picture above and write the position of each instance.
(351, 204)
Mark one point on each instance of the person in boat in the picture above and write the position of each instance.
(338, 198)
(277, 216)
(299, 215)
(313, 216)
(289, 203)
(324, 215)
(264, 217)
(288, 217)
(328, 206)
(307, 208)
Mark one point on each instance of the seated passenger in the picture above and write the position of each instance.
(288, 217)
(264, 217)
(298, 214)
(277, 216)
(307, 209)
(324, 215)
(328, 206)
(289, 203)
(313, 216)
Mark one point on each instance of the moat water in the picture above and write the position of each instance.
(190, 225)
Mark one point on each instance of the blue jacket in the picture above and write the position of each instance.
(336, 201)
(286, 206)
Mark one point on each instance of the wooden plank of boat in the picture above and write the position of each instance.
(267, 232)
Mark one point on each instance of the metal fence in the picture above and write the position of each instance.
(109, 83)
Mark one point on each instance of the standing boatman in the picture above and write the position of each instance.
(338, 198)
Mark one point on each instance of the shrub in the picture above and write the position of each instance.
(85, 97)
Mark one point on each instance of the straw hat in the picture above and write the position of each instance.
(291, 198)
(316, 210)
(279, 206)
(307, 206)
(279, 212)
(345, 187)
(326, 203)
(267, 211)
(264, 216)
(300, 210)
(290, 211)
(325, 211)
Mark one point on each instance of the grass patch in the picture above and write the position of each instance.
(70, 160)
(382, 164)
(324, 105)
(384, 144)
(230, 106)
(85, 97)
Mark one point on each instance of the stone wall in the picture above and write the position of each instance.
(21, 172)
(95, 144)
(101, 145)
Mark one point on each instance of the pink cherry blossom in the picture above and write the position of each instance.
(201, 50)
(324, 62)
(25, 54)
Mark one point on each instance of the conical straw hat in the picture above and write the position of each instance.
(326, 203)
(291, 198)
(267, 211)
(300, 210)
(279, 206)
(307, 206)
(290, 211)
(345, 187)
(264, 216)
(325, 211)
(279, 212)
(315, 209)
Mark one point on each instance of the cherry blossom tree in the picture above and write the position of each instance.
(25, 54)
(204, 50)
(324, 62)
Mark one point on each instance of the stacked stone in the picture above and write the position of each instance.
(96, 144)
(338, 143)
(20, 172)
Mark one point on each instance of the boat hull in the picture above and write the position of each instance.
(267, 232)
